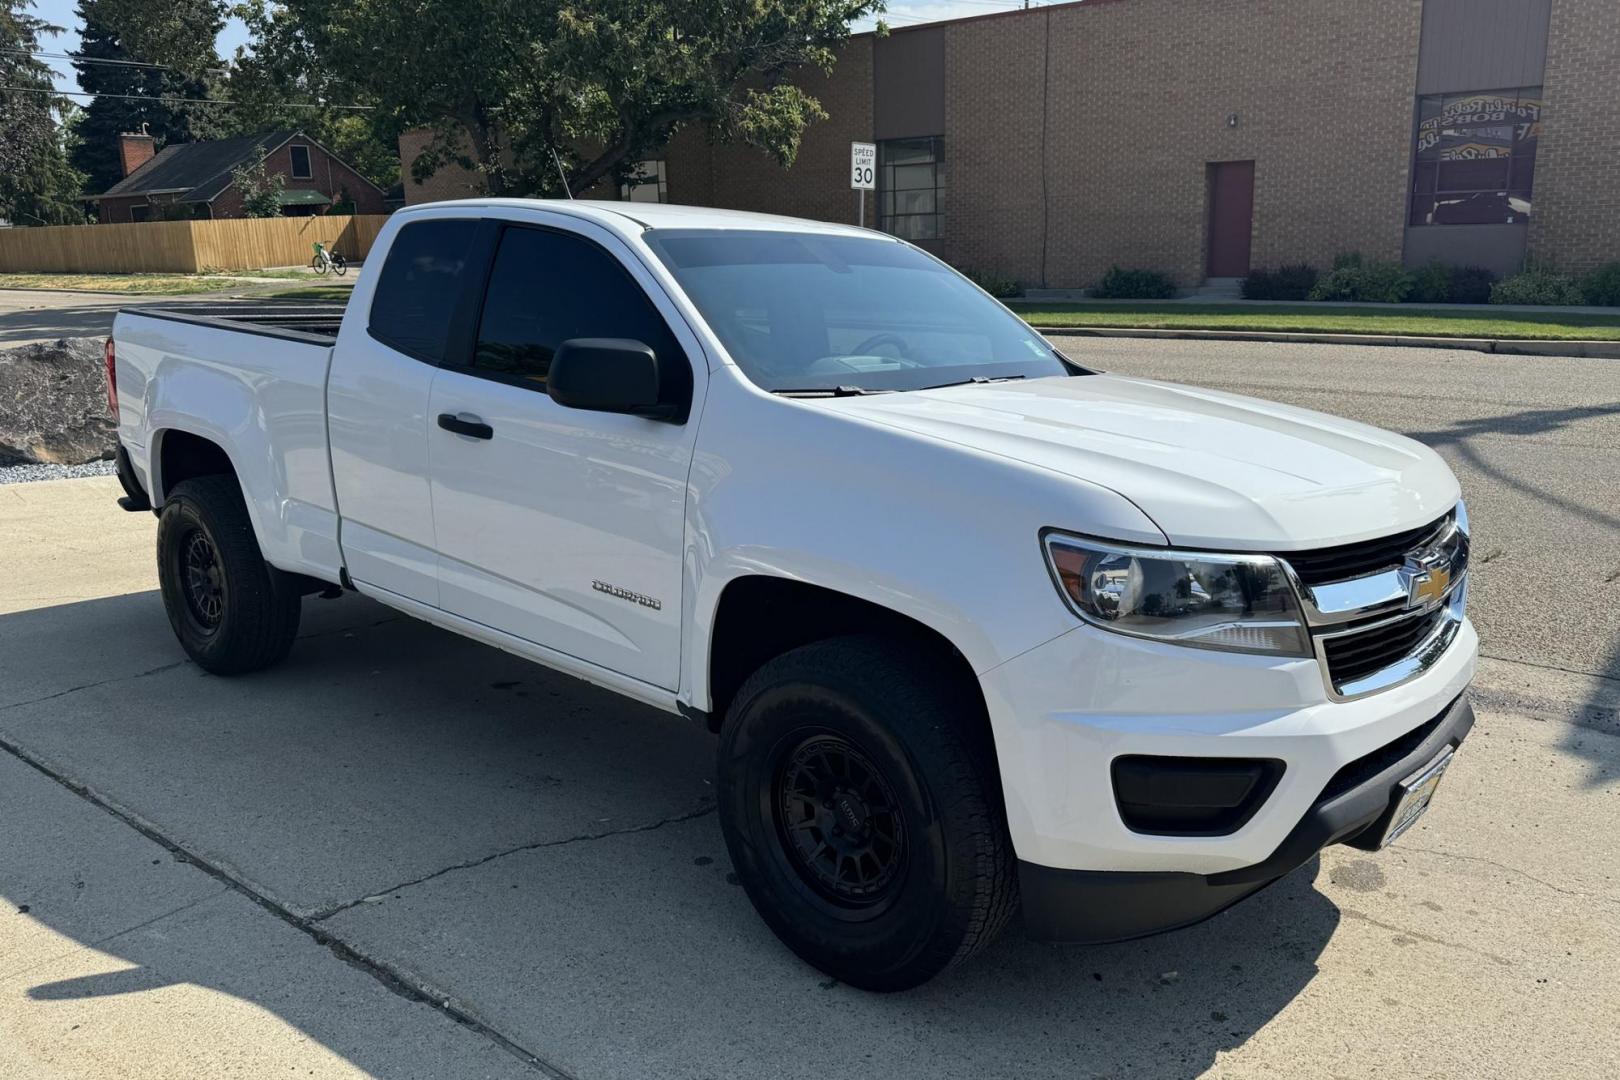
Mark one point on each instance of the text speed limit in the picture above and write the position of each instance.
(863, 166)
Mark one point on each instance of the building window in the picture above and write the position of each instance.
(140, 212)
(648, 183)
(911, 187)
(1476, 157)
(300, 162)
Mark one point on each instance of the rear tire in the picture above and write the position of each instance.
(859, 801)
(232, 611)
(340, 265)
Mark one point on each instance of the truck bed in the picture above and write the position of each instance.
(249, 377)
(310, 321)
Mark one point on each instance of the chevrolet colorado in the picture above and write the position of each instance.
(978, 628)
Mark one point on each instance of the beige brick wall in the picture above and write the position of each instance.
(447, 182)
(1575, 223)
(993, 205)
(1141, 93)
(817, 186)
(1137, 94)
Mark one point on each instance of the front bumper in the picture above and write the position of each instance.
(1064, 712)
(1090, 906)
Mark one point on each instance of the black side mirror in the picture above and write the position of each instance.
(614, 375)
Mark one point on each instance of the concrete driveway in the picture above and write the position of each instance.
(407, 855)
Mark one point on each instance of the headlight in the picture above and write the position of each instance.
(1240, 603)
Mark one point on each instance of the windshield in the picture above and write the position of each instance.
(801, 312)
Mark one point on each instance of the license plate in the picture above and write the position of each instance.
(1416, 792)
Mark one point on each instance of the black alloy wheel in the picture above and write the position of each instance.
(840, 821)
(205, 581)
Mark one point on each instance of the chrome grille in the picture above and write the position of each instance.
(1383, 611)
(1325, 565)
(1360, 653)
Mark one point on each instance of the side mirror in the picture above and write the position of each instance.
(614, 375)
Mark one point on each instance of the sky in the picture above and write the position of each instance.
(900, 13)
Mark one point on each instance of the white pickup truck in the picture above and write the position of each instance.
(977, 627)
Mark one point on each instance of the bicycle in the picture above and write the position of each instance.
(326, 259)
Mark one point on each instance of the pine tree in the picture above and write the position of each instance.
(108, 116)
(37, 186)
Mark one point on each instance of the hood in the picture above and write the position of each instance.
(1211, 469)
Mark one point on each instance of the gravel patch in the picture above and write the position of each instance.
(22, 474)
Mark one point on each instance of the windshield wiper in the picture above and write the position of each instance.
(831, 391)
(976, 380)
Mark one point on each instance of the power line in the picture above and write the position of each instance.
(80, 58)
(166, 100)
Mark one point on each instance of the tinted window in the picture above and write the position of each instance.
(807, 312)
(419, 286)
(547, 287)
(300, 162)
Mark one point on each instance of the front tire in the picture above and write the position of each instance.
(232, 611)
(318, 265)
(859, 802)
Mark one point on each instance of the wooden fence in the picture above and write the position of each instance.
(183, 246)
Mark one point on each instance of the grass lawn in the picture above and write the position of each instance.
(136, 284)
(1326, 319)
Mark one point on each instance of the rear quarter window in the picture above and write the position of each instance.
(420, 285)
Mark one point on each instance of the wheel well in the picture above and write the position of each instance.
(184, 456)
(763, 617)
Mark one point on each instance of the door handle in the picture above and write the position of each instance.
(466, 424)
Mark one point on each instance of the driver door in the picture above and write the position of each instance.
(560, 526)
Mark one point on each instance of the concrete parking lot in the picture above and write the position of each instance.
(406, 855)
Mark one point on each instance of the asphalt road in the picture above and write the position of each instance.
(403, 854)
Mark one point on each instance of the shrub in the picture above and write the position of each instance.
(1472, 285)
(1537, 285)
(1431, 284)
(1120, 284)
(1284, 283)
(996, 285)
(1439, 283)
(1602, 286)
(1368, 282)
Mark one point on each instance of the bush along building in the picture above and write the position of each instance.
(1207, 139)
(200, 179)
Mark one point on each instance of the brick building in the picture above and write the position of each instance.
(195, 179)
(1207, 137)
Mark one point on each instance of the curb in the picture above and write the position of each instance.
(1596, 350)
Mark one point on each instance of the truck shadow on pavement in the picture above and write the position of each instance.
(1586, 526)
(542, 855)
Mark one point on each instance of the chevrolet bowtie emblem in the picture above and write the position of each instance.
(1429, 586)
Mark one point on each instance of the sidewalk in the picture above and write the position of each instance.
(1595, 350)
(1075, 296)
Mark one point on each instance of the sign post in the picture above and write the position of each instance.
(862, 174)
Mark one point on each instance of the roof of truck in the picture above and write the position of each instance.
(634, 216)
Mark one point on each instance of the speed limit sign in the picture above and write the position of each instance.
(863, 166)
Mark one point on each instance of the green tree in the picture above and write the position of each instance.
(505, 84)
(37, 185)
(155, 92)
(272, 93)
(261, 193)
(177, 33)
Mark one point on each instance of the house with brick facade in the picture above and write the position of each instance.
(195, 179)
(1203, 139)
